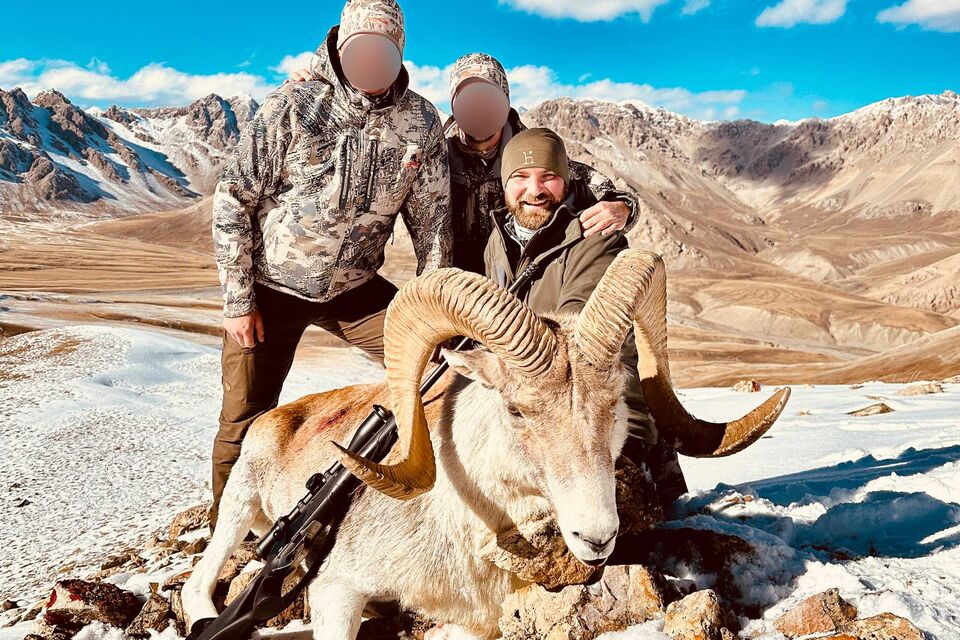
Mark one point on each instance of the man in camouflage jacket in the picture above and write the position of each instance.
(302, 214)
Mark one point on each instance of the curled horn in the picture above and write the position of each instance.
(633, 293)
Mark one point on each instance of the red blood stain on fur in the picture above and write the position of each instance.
(52, 599)
(328, 421)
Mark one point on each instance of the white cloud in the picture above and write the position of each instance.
(935, 15)
(693, 6)
(591, 10)
(157, 84)
(793, 12)
(431, 82)
(532, 84)
(153, 85)
(289, 64)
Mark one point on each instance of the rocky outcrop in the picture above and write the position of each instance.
(821, 613)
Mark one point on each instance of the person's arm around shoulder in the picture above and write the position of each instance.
(614, 210)
(426, 209)
(251, 174)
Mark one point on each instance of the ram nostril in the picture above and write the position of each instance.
(576, 534)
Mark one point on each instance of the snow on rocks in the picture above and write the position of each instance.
(872, 410)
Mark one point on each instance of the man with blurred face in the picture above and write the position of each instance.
(483, 122)
(541, 223)
(306, 205)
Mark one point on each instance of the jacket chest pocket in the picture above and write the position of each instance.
(398, 169)
(318, 156)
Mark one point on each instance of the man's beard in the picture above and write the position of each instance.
(530, 217)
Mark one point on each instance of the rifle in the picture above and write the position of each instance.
(307, 534)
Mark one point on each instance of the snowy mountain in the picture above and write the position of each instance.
(54, 155)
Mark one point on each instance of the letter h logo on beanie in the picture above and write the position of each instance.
(528, 157)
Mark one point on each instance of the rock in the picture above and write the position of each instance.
(535, 552)
(885, 626)
(189, 520)
(8, 605)
(624, 596)
(747, 386)
(649, 593)
(820, 613)
(154, 616)
(637, 503)
(698, 616)
(921, 389)
(296, 611)
(685, 550)
(407, 626)
(76, 603)
(872, 410)
(32, 612)
(194, 547)
(952, 380)
(243, 555)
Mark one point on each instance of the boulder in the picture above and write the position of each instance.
(155, 615)
(637, 502)
(820, 613)
(699, 616)
(73, 604)
(921, 389)
(685, 550)
(747, 386)
(624, 596)
(872, 410)
(189, 520)
(885, 626)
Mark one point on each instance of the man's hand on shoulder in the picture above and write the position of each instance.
(301, 75)
(604, 217)
(246, 330)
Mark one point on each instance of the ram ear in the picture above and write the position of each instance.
(477, 364)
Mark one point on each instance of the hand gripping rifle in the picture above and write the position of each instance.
(306, 535)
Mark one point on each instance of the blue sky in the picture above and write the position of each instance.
(716, 59)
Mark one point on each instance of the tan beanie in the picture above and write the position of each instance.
(382, 17)
(535, 148)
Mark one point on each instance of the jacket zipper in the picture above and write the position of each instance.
(371, 173)
(347, 177)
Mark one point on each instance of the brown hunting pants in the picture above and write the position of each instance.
(253, 377)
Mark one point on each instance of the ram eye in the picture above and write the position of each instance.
(512, 410)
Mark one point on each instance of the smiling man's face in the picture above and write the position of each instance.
(533, 195)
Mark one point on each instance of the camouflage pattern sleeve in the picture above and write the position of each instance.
(603, 189)
(426, 210)
(252, 173)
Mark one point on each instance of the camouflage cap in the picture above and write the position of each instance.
(382, 17)
(478, 65)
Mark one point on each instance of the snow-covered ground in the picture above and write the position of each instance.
(107, 438)
(105, 433)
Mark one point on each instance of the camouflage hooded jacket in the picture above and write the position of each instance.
(476, 191)
(310, 196)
